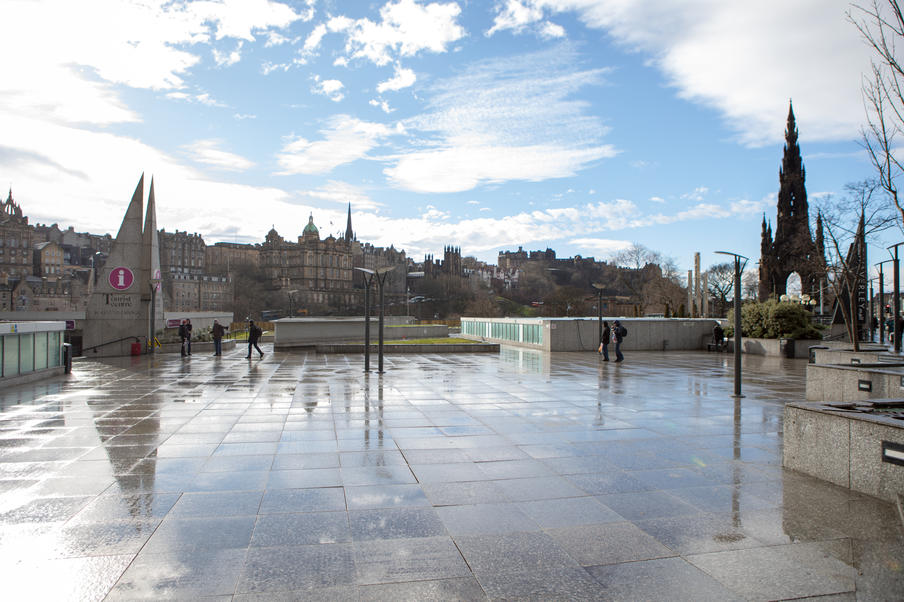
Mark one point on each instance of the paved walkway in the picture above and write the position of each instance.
(517, 476)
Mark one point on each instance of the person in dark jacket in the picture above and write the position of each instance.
(604, 342)
(718, 334)
(218, 331)
(185, 337)
(254, 334)
(619, 335)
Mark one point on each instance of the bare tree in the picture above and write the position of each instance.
(881, 23)
(643, 267)
(848, 223)
(720, 282)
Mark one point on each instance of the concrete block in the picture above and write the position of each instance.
(869, 474)
(818, 444)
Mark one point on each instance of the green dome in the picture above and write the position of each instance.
(311, 227)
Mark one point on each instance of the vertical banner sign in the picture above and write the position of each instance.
(121, 278)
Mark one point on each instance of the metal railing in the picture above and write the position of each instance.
(95, 347)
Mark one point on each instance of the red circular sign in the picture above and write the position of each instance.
(121, 278)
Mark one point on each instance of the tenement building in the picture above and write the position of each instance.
(187, 283)
(319, 274)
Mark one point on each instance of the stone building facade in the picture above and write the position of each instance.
(319, 274)
(187, 283)
(222, 256)
(16, 241)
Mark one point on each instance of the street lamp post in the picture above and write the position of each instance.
(381, 274)
(737, 318)
(599, 304)
(882, 301)
(896, 296)
(368, 280)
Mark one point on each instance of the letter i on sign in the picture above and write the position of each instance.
(122, 278)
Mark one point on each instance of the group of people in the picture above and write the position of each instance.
(218, 331)
(617, 332)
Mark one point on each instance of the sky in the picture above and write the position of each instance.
(579, 125)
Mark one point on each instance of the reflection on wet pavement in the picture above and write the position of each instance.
(522, 475)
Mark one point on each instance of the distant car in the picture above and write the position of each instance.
(416, 299)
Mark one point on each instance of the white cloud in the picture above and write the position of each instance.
(100, 182)
(697, 195)
(504, 119)
(516, 15)
(227, 59)
(137, 44)
(748, 207)
(406, 28)
(805, 50)
(552, 30)
(345, 139)
(601, 246)
(209, 153)
(342, 192)
(204, 98)
(331, 88)
(381, 104)
(402, 78)
(432, 213)
(312, 43)
(466, 166)
(267, 67)
(657, 199)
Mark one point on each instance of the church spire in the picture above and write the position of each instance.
(348, 226)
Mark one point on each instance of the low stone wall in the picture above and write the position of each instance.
(857, 382)
(843, 447)
(777, 347)
(868, 354)
(410, 348)
(841, 374)
(307, 332)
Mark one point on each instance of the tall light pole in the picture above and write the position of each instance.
(599, 304)
(882, 301)
(737, 318)
(381, 274)
(368, 280)
(896, 296)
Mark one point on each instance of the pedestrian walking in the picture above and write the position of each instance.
(185, 336)
(218, 331)
(620, 333)
(604, 342)
(188, 336)
(254, 333)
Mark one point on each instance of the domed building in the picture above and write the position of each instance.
(320, 273)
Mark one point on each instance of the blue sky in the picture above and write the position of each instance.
(581, 125)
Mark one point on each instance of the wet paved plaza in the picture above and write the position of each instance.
(513, 476)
